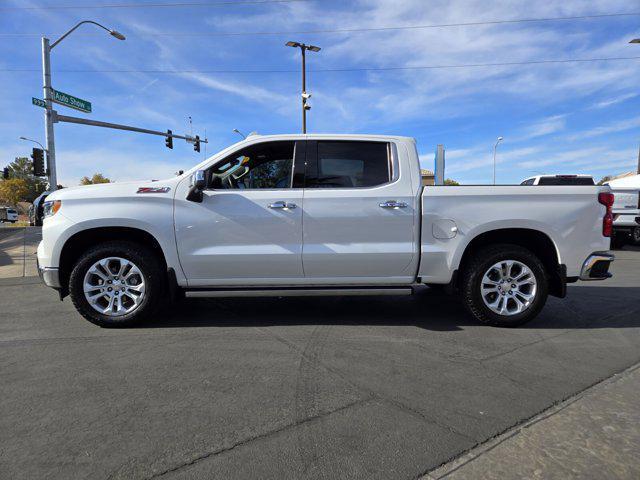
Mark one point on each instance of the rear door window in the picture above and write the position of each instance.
(566, 181)
(349, 164)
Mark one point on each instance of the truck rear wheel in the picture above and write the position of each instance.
(504, 285)
(117, 284)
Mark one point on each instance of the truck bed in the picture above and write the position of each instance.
(452, 216)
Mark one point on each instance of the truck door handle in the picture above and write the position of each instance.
(393, 204)
(282, 205)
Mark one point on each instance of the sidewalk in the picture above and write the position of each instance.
(595, 434)
(18, 251)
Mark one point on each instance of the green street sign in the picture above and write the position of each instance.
(38, 102)
(71, 101)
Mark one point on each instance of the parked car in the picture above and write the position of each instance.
(626, 209)
(319, 215)
(559, 180)
(36, 210)
(8, 214)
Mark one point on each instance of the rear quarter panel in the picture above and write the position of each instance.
(570, 216)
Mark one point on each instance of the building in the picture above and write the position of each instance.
(428, 177)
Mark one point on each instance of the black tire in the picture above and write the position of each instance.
(148, 263)
(635, 236)
(475, 270)
(618, 240)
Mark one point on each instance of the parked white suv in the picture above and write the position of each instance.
(559, 180)
(8, 214)
(319, 215)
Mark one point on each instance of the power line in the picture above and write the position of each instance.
(152, 5)
(363, 29)
(319, 70)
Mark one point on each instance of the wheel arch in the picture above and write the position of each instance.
(538, 242)
(78, 243)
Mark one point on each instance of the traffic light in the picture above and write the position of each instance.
(196, 144)
(39, 169)
(5, 173)
(169, 141)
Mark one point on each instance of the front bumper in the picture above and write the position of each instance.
(49, 276)
(596, 266)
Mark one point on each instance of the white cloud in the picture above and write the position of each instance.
(582, 160)
(117, 164)
(614, 127)
(477, 159)
(247, 91)
(542, 127)
(613, 101)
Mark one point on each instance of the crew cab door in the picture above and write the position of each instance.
(248, 228)
(359, 214)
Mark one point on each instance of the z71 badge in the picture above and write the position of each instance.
(153, 189)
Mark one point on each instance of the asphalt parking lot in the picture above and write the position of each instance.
(279, 388)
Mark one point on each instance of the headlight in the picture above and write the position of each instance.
(51, 208)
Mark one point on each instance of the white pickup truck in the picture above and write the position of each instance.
(320, 215)
(626, 209)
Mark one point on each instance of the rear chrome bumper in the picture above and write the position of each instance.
(627, 218)
(596, 266)
(49, 276)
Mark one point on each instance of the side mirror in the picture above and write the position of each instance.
(198, 183)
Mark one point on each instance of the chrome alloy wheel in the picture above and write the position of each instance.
(508, 287)
(114, 286)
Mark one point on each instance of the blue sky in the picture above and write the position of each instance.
(555, 118)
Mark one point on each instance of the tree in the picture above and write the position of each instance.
(604, 179)
(96, 178)
(22, 168)
(14, 190)
(448, 181)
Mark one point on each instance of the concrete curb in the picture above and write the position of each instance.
(465, 458)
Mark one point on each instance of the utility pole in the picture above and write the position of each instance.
(48, 98)
(305, 95)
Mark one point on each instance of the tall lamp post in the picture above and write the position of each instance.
(305, 96)
(637, 40)
(495, 148)
(48, 97)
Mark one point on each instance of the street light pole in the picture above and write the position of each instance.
(48, 115)
(304, 90)
(305, 95)
(34, 141)
(495, 148)
(48, 98)
(637, 40)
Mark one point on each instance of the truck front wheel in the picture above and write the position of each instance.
(504, 285)
(116, 284)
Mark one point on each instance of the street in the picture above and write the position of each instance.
(352, 387)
